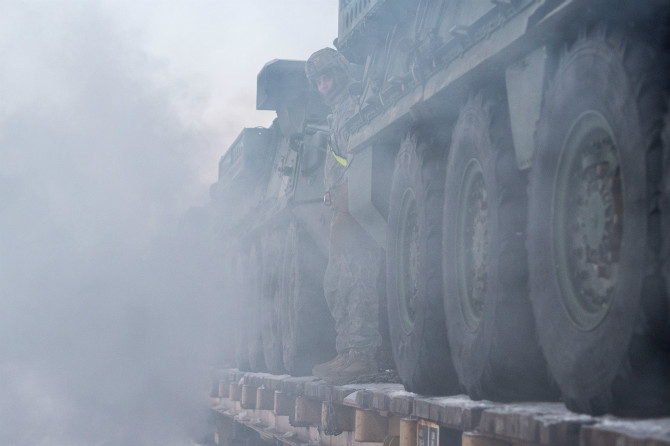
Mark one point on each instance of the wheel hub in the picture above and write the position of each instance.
(595, 226)
(588, 220)
(473, 243)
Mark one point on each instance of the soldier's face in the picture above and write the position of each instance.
(324, 84)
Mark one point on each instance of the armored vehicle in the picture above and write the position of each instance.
(274, 226)
(512, 159)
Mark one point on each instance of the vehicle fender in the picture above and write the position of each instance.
(525, 80)
(361, 204)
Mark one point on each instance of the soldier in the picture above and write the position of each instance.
(350, 282)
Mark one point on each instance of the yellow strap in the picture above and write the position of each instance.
(341, 160)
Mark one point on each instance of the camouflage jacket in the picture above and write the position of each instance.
(347, 237)
(343, 109)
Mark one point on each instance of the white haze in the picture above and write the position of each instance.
(112, 117)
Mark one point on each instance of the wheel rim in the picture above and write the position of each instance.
(408, 263)
(588, 218)
(472, 236)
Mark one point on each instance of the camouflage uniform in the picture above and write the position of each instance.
(350, 282)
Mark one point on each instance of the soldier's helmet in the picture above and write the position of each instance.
(326, 61)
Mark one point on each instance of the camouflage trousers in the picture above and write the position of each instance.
(350, 287)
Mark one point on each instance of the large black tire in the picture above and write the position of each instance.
(308, 329)
(488, 313)
(594, 229)
(665, 217)
(414, 280)
(253, 296)
(271, 304)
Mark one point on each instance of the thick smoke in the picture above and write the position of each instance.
(103, 338)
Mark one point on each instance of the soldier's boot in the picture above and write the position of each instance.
(321, 370)
(356, 363)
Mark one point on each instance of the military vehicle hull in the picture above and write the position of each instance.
(512, 159)
(527, 145)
